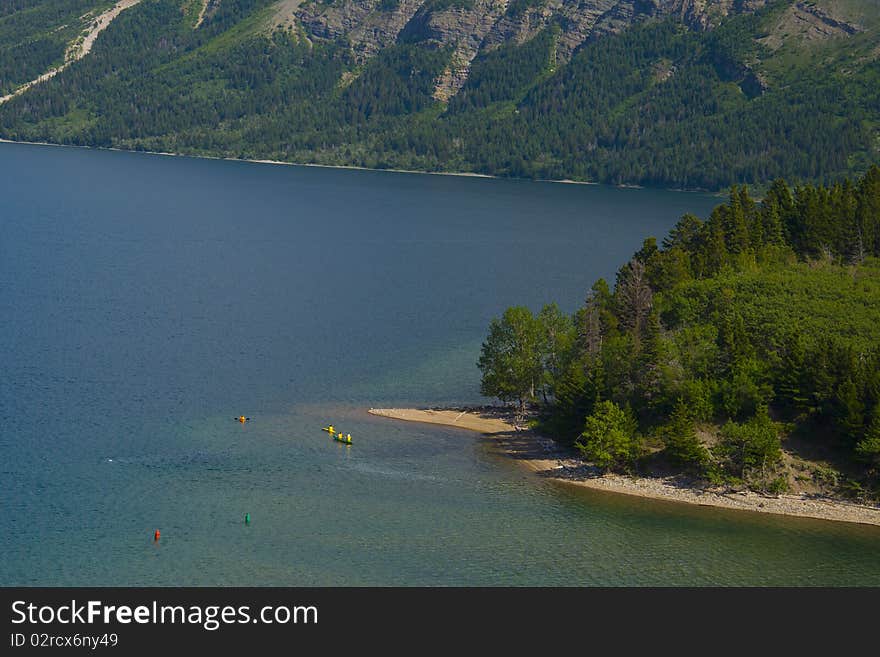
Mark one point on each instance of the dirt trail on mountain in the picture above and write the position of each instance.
(79, 48)
(202, 12)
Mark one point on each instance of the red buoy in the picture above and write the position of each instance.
(156, 535)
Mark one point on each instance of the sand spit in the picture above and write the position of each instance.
(545, 458)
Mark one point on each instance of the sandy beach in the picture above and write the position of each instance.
(457, 174)
(543, 457)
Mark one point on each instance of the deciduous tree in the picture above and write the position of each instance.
(510, 358)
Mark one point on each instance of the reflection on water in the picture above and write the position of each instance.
(147, 301)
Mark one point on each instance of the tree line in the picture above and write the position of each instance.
(34, 35)
(760, 322)
(655, 105)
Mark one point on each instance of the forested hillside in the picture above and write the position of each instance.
(34, 35)
(674, 93)
(744, 349)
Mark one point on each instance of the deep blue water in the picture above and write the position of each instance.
(148, 300)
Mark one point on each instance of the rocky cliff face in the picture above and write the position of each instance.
(368, 25)
(705, 14)
(471, 26)
(463, 27)
(806, 21)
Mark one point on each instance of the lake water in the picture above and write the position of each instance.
(148, 300)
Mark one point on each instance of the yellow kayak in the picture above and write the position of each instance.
(337, 435)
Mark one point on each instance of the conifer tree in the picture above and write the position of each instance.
(869, 446)
(715, 255)
(680, 438)
(604, 300)
(752, 218)
(780, 195)
(792, 388)
(686, 234)
(648, 373)
(868, 210)
(771, 222)
(752, 448)
(736, 228)
(589, 326)
(609, 438)
(851, 411)
(634, 299)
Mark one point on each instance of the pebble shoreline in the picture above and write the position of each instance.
(541, 455)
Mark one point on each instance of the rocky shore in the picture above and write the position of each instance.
(543, 456)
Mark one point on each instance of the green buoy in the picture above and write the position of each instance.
(247, 518)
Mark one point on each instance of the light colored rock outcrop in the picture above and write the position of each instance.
(209, 7)
(81, 46)
(469, 27)
(284, 14)
(462, 27)
(806, 21)
(368, 25)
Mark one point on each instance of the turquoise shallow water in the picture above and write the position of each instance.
(148, 300)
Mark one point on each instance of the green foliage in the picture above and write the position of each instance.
(825, 475)
(743, 390)
(555, 342)
(400, 81)
(609, 438)
(681, 441)
(776, 302)
(504, 74)
(721, 342)
(752, 448)
(853, 489)
(510, 357)
(524, 354)
(869, 447)
(577, 392)
(34, 36)
(778, 486)
(696, 394)
(657, 104)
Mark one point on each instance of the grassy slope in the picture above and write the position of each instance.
(850, 63)
(823, 301)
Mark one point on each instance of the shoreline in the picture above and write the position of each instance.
(544, 458)
(458, 174)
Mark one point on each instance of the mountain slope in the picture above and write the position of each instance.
(92, 24)
(684, 93)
